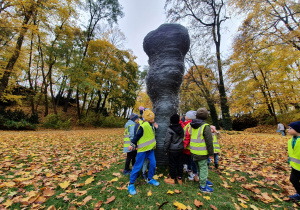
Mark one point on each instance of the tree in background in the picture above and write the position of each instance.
(205, 20)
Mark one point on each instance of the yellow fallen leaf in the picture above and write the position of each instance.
(155, 177)
(149, 193)
(89, 180)
(243, 205)
(206, 197)
(253, 207)
(114, 180)
(8, 203)
(170, 192)
(64, 185)
(179, 206)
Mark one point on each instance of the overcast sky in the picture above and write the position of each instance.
(143, 16)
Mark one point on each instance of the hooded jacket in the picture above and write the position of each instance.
(174, 139)
(196, 123)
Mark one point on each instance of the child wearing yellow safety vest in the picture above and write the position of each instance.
(217, 150)
(145, 142)
(294, 157)
(201, 147)
(128, 136)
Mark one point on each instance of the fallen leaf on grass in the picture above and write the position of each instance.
(114, 180)
(8, 203)
(48, 192)
(51, 208)
(155, 177)
(206, 197)
(73, 177)
(243, 205)
(98, 205)
(149, 193)
(87, 199)
(177, 191)
(89, 180)
(276, 196)
(64, 185)
(253, 207)
(170, 192)
(111, 199)
(198, 203)
(243, 197)
(179, 206)
(237, 207)
(213, 207)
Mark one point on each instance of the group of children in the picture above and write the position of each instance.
(193, 140)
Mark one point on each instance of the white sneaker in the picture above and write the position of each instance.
(191, 177)
(185, 168)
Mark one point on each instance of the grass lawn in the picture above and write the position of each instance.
(83, 170)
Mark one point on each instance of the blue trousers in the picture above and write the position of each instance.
(216, 159)
(140, 157)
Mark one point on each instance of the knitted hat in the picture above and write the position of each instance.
(141, 108)
(174, 119)
(295, 126)
(202, 113)
(191, 115)
(133, 117)
(148, 115)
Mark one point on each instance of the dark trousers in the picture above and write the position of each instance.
(176, 164)
(295, 178)
(130, 157)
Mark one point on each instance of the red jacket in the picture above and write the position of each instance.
(187, 138)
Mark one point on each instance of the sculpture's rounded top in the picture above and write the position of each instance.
(167, 37)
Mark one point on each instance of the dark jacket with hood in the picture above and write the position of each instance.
(196, 123)
(174, 139)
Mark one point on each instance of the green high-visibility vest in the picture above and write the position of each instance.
(147, 141)
(197, 143)
(216, 143)
(126, 137)
(294, 154)
(189, 128)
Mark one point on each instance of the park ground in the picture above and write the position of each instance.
(82, 169)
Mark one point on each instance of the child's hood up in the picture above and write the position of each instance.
(129, 122)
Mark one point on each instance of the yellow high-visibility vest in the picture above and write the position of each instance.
(217, 148)
(197, 143)
(294, 154)
(126, 137)
(147, 141)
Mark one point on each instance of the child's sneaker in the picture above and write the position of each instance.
(295, 197)
(170, 181)
(206, 189)
(191, 176)
(209, 183)
(131, 189)
(185, 168)
(153, 182)
(145, 176)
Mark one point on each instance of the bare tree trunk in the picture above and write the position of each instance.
(68, 99)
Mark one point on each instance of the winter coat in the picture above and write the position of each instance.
(174, 139)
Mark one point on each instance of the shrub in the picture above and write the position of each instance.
(21, 125)
(243, 122)
(17, 120)
(57, 121)
(92, 119)
(113, 122)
